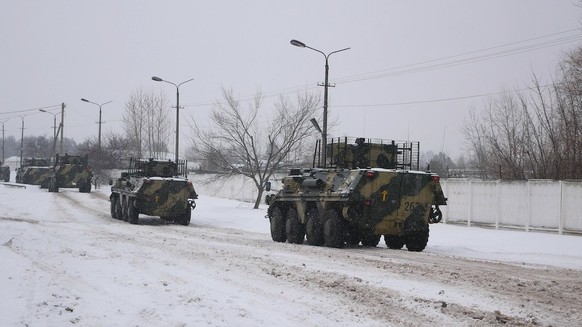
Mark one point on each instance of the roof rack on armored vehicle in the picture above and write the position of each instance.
(69, 159)
(157, 168)
(40, 162)
(352, 152)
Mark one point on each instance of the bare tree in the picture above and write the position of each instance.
(535, 133)
(244, 140)
(147, 122)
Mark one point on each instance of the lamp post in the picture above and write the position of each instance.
(99, 105)
(54, 123)
(158, 79)
(325, 86)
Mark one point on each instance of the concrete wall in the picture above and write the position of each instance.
(534, 204)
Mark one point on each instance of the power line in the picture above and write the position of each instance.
(507, 52)
(438, 100)
(426, 66)
(28, 110)
(429, 65)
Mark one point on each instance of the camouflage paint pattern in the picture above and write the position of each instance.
(363, 155)
(368, 189)
(162, 196)
(71, 171)
(5, 174)
(35, 171)
(70, 175)
(385, 201)
(155, 195)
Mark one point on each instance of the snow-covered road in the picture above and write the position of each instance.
(65, 261)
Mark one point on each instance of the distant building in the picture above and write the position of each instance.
(12, 162)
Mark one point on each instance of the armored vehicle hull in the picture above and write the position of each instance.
(338, 206)
(34, 171)
(71, 171)
(153, 188)
(5, 174)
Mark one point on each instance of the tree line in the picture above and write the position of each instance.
(534, 133)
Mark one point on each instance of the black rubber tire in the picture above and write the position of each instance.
(278, 233)
(294, 229)
(394, 242)
(313, 228)
(418, 241)
(52, 185)
(354, 238)
(113, 207)
(118, 209)
(371, 240)
(333, 229)
(132, 213)
(184, 220)
(124, 209)
(85, 187)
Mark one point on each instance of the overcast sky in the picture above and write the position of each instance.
(406, 59)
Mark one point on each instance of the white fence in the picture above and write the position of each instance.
(530, 205)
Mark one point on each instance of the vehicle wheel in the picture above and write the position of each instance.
(85, 187)
(333, 229)
(294, 228)
(394, 242)
(313, 228)
(418, 241)
(51, 185)
(118, 208)
(371, 240)
(132, 213)
(124, 209)
(185, 218)
(113, 207)
(278, 226)
(354, 237)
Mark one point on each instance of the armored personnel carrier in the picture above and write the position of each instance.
(4, 173)
(154, 188)
(362, 191)
(34, 171)
(71, 171)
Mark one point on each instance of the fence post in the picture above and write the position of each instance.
(561, 210)
(528, 220)
(498, 216)
(470, 203)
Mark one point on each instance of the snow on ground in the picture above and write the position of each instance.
(65, 261)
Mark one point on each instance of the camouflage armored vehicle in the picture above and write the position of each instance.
(368, 190)
(154, 188)
(71, 171)
(4, 173)
(35, 171)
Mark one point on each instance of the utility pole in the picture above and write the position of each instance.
(62, 127)
(21, 140)
(3, 139)
(325, 87)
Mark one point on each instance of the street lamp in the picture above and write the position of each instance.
(325, 86)
(157, 79)
(54, 122)
(99, 105)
